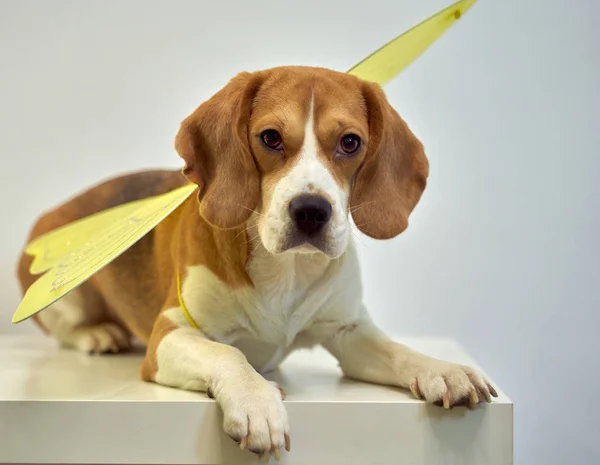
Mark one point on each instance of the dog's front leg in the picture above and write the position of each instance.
(254, 414)
(367, 354)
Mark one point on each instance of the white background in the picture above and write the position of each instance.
(502, 252)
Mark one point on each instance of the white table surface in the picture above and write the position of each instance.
(60, 406)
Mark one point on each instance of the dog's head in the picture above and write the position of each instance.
(299, 149)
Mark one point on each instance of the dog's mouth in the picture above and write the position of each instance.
(296, 242)
(299, 243)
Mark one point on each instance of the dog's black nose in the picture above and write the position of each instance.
(310, 213)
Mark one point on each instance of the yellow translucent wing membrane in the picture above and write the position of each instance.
(387, 62)
(70, 255)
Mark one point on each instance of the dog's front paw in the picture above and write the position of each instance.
(449, 385)
(255, 417)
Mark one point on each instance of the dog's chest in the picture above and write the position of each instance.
(291, 296)
(288, 291)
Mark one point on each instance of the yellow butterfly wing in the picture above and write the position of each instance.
(50, 249)
(69, 255)
(387, 62)
(73, 253)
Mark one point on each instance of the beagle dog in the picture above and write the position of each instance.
(261, 261)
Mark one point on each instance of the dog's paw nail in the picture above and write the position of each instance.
(288, 445)
(414, 388)
(473, 398)
(486, 394)
(446, 401)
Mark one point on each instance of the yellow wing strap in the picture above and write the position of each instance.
(184, 309)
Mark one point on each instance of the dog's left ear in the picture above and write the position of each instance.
(213, 142)
(393, 175)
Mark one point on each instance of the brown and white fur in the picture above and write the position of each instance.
(257, 286)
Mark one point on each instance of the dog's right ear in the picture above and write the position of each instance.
(213, 142)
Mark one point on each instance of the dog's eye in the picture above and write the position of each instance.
(350, 144)
(272, 139)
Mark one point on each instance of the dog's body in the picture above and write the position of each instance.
(267, 265)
